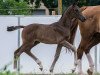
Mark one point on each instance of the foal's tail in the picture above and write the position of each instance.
(12, 28)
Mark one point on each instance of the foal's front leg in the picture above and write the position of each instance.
(17, 54)
(70, 46)
(58, 50)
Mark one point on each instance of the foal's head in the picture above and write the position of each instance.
(74, 12)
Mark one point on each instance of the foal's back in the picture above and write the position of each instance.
(42, 33)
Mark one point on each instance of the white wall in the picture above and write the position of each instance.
(8, 41)
(45, 52)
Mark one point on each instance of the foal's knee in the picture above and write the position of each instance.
(74, 49)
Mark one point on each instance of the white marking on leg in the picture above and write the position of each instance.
(75, 57)
(91, 64)
(79, 62)
(51, 68)
(39, 63)
(73, 70)
(75, 61)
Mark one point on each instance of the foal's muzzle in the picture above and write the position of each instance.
(83, 18)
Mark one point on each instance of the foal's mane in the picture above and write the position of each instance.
(66, 11)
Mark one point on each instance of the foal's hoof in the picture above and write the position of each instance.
(41, 69)
(89, 72)
(51, 71)
(73, 70)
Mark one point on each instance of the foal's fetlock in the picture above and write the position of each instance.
(74, 49)
(41, 68)
(40, 64)
(51, 70)
(38, 61)
(75, 64)
(73, 70)
(75, 61)
(15, 62)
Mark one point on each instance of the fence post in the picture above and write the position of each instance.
(59, 7)
(18, 62)
(99, 58)
(95, 52)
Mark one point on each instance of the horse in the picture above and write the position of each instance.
(90, 35)
(55, 33)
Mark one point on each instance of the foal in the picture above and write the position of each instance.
(55, 33)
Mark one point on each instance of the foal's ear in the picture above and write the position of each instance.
(75, 3)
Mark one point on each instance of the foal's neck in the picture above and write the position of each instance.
(65, 20)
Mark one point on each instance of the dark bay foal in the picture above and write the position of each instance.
(55, 33)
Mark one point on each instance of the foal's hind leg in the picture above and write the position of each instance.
(58, 50)
(17, 53)
(27, 51)
(36, 59)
